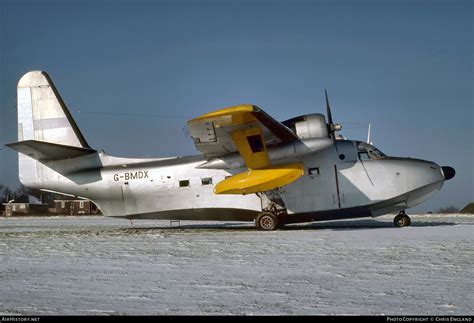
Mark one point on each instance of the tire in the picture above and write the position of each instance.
(409, 221)
(402, 220)
(266, 221)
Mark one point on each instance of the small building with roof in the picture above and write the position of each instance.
(25, 205)
(75, 207)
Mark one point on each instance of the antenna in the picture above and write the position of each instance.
(368, 136)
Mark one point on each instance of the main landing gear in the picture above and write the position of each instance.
(402, 220)
(268, 221)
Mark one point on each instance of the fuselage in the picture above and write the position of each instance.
(343, 180)
(251, 167)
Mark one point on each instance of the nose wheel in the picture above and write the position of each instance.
(402, 220)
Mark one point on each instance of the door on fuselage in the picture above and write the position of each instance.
(352, 177)
(145, 190)
(316, 190)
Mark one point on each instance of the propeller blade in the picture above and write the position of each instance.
(328, 112)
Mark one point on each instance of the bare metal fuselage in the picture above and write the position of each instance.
(328, 178)
(175, 188)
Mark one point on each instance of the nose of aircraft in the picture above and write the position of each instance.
(448, 172)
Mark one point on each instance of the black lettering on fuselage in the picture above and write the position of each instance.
(131, 175)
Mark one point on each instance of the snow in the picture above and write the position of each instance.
(96, 265)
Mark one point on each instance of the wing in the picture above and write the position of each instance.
(248, 130)
(212, 132)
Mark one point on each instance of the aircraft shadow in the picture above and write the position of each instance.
(360, 225)
(195, 227)
(334, 225)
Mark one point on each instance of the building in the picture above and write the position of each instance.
(75, 207)
(25, 205)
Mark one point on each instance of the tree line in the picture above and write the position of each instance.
(7, 194)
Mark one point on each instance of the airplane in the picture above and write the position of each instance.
(251, 168)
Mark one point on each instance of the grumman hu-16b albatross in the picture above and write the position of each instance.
(252, 168)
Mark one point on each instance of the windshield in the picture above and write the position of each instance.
(367, 151)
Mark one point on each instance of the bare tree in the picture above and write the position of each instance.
(5, 193)
(448, 209)
(21, 191)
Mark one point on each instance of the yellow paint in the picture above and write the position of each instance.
(252, 160)
(234, 116)
(259, 180)
(261, 176)
(230, 116)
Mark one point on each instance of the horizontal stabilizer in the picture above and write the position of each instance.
(46, 151)
(259, 180)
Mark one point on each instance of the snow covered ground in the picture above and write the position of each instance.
(96, 265)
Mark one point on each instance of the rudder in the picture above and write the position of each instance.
(42, 116)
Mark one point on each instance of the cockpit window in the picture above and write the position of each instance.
(367, 151)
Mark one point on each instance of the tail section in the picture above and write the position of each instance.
(42, 114)
(46, 129)
(45, 151)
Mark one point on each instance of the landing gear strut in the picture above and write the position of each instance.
(268, 221)
(402, 220)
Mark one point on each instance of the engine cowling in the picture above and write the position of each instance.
(308, 126)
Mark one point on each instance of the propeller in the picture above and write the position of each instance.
(332, 127)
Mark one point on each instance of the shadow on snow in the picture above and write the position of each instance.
(331, 225)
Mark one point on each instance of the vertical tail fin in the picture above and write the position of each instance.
(42, 116)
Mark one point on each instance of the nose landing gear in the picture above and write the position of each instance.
(402, 220)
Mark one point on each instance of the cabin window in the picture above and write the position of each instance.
(367, 151)
(313, 171)
(363, 155)
(81, 204)
(63, 204)
(206, 181)
(184, 183)
(22, 206)
(256, 143)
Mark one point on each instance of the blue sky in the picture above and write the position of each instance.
(132, 73)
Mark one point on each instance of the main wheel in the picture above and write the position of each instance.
(266, 221)
(402, 220)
